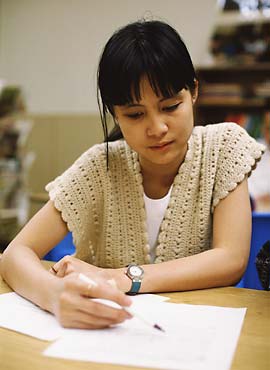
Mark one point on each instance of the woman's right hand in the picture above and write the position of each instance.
(74, 309)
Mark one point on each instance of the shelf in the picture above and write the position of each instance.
(213, 103)
(231, 68)
(229, 89)
(243, 74)
(231, 18)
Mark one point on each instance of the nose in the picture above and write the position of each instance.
(156, 126)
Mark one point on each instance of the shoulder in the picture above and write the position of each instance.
(117, 147)
(205, 139)
(221, 129)
(224, 135)
(98, 152)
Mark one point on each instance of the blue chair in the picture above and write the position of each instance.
(260, 234)
(63, 248)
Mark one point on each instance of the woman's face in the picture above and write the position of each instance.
(157, 128)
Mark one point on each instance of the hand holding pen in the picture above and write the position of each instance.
(128, 309)
(73, 308)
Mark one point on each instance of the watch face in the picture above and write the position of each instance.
(135, 271)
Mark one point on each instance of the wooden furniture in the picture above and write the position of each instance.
(245, 89)
(18, 351)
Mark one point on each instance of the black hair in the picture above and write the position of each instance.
(144, 48)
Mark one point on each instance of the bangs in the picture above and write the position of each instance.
(161, 57)
(127, 88)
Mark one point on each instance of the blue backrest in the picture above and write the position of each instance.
(63, 248)
(260, 234)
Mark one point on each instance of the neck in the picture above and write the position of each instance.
(165, 173)
(159, 174)
(157, 179)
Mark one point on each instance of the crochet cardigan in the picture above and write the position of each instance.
(104, 207)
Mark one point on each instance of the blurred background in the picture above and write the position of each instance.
(49, 52)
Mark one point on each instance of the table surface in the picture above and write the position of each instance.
(18, 351)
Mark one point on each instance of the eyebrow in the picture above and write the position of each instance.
(131, 105)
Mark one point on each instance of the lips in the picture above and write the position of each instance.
(161, 145)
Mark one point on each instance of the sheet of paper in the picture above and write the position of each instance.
(196, 338)
(18, 314)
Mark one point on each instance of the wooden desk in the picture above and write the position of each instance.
(20, 352)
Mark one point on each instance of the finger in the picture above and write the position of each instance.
(110, 291)
(100, 288)
(99, 308)
(82, 320)
(103, 310)
(60, 267)
(69, 269)
(80, 308)
(52, 270)
(86, 325)
(86, 289)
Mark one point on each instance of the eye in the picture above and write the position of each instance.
(171, 108)
(135, 115)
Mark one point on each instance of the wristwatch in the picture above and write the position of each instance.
(135, 273)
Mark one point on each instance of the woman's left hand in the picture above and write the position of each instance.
(69, 264)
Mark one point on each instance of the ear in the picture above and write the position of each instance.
(195, 93)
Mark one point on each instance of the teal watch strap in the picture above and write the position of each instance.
(135, 287)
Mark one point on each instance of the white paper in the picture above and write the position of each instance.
(18, 314)
(21, 315)
(196, 338)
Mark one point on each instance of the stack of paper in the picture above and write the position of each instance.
(196, 337)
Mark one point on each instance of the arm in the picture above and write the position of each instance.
(222, 265)
(23, 271)
(21, 260)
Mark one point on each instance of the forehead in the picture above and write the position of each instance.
(146, 89)
(147, 92)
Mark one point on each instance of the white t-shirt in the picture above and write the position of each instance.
(259, 181)
(155, 210)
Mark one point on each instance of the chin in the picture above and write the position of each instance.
(162, 161)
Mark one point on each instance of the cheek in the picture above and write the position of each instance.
(131, 134)
(186, 117)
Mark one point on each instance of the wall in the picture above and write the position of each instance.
(51, 47)
(57, 140)
(1, 48)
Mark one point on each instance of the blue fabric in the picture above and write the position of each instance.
(260, 234)
(65, 247)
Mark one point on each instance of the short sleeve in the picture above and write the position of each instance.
(237, 157)
(71, 193)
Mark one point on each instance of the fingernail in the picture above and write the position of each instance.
(53, 269)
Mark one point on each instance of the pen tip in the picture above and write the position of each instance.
(156, 326)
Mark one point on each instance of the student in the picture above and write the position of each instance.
(160, 193)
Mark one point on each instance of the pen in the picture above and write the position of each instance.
(110, 303)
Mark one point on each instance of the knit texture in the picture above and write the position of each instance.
(105, 209)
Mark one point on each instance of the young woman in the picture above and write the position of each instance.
(168, 200)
